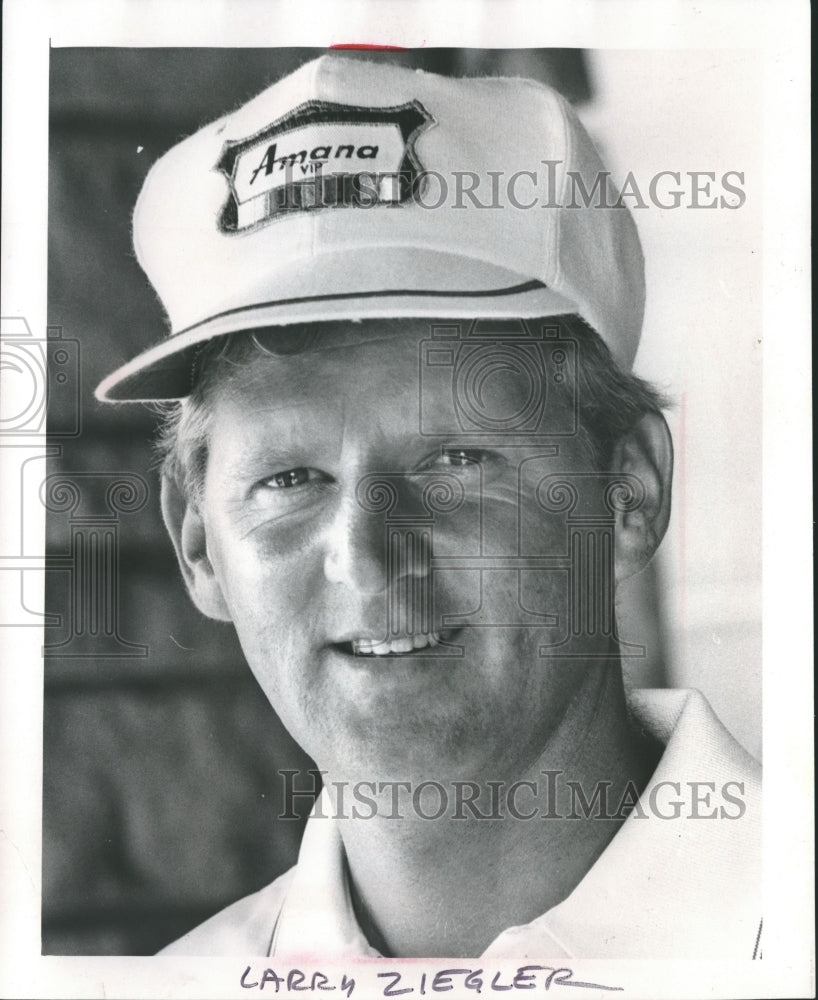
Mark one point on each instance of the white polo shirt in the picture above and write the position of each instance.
(686, 887)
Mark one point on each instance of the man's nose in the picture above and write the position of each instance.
(370, 555)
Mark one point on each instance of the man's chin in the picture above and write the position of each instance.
(437, 740)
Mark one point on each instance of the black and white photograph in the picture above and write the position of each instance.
(405, 570)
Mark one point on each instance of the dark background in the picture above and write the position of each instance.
(161, 791)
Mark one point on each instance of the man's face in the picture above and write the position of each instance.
(327, 592)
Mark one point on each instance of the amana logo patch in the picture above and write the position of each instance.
(322, 155)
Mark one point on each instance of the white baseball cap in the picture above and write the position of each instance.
(356, 190)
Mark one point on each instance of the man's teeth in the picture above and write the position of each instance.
(400, 644)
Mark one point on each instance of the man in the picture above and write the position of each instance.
(409, 466)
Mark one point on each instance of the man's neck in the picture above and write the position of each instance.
(448, 887)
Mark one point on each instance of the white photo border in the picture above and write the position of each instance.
(778, 33)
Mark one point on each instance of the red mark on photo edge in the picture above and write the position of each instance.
(369, 48)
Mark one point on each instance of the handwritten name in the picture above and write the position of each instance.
(399, 984)
(294, 981)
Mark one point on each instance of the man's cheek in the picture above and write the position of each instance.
(277, 650)
(276, 602)
(270, 558)
(455, 592)
(542, 534)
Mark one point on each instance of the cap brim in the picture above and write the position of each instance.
(164, 372)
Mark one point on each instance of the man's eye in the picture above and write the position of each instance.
(459, 457)
(474, 465)
(290, 490)
(289, 478)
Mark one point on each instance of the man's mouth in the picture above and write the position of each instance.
(395, 645)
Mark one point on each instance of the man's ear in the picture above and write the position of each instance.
(645, 451)
(187, 532)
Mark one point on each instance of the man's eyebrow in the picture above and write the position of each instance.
(255, 463)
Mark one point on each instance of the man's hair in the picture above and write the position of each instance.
(610, 401)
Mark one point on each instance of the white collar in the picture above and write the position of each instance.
(684, 888)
